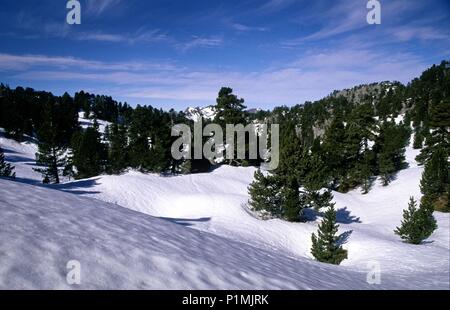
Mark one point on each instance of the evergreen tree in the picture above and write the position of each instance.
(390, 149)
(264, 195)
(439, 136)
(435, 156)
(117, 155)
(51, 156)
(291, 206)
(89, 153)
(418, 138)
(230, 110)
(435, 176)
(288, 173)
(6, 170)
(364, 171)
(325, 246)
(318, 200)
(334, 148)
(50, 153)
(418, 223)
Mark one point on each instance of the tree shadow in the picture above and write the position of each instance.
(309, 215)
(186, 222)
(75, 187)
(343, 216)
(343, 238)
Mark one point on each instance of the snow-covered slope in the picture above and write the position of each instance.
(87, 122)
(212, 203)
(119, 248)
(22, 156)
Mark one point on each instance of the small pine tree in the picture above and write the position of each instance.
(6, 170)
(52, 158)
(418, 223)
(263, 195)
(325, 246)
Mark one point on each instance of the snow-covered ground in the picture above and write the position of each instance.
(117, 248)
(87, 122)
(209, 209)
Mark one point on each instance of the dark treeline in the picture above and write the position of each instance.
(350, 138)
(343, 141)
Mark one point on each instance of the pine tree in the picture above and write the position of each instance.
(117, 155)
(435, 176)
(325, 246)
(291, 205)
(418, 138)
(364, 171)
(439, 136)
(51, 156)
(6, 170)
(289, 173)
(264, 195)
(418, 223)
(386, 167)
(318, 200)
(230, 110)
(50, 153)
(89, 153)
(390, 149)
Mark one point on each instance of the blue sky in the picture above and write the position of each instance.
(177, 53)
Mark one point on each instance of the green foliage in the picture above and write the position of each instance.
(418, 223)
(230, 108)
(390, 149)
(6, 170)
(117, 151)
(89, 153)
(325, 246)
(264, 195)
(51, 152)
(435, 177)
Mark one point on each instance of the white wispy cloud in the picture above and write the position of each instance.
(98, 7)
(141, 36)
(198, 41)
(348, 17)
(275, 5)
(310, 77)
(29, 61)
(246, 28)
(423, 33)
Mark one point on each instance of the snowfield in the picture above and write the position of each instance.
(148, 231)
(123, 249)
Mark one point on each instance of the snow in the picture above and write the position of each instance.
(121, 249)
(194, 231)
(87, 122)
(22, 156)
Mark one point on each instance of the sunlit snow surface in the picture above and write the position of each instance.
(193, 232)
